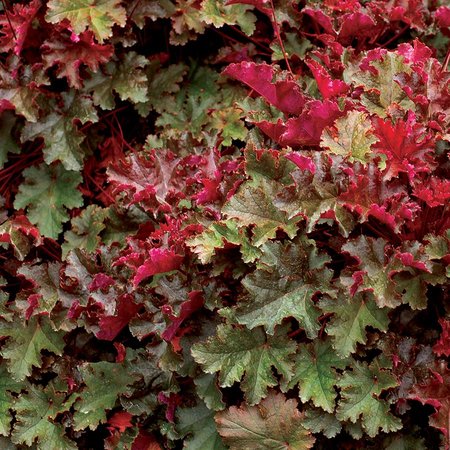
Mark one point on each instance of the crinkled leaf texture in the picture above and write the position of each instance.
(238, 353)
(274, 424)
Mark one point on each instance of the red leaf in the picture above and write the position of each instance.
(321, 19)
(410, 12)
(302, 162)
(21, 19)
(172, 401)
(436, 392)
(68, 55)
(121, 420)
(194, 303)
(145, 441)
(356, 25)
(442, 346)
(307, 128)
(328, 87)
(100, 282)
(405, 144)
(111, 326)
(160, 260)
(442, 16)
(284, 95)
(435, 193)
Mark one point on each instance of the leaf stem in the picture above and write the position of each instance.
(280, 41)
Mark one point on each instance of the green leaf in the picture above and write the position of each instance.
(382, 89)
(35, 412)
(274, 424)
(268, 165)
(7, 143)
(351, 317)
(255, 206)
(25, 343)
(197, 426)
(351, 136)
(360, 393)
(315, 375)
(99, 16)
(127, 78)
(314, 194)
(238, 353)
(7, 385)
(218, 13)
(209, 392)
(319, 421)
(216, 236)
(289, 275)
(61, 136)
(371, 255)
(85, 230)
(104, 383)
(46, 280)
(46, 193)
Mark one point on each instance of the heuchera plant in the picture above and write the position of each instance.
(224, 224)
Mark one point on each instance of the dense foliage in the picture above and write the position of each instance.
(225, 224)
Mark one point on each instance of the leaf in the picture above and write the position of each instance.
(314, 373)
(361, 389)
(255, 206)
(238, 353)
(378, 78)
(351, 317)
(216, 236)
(208, 390)
(442, 346)
(69, 56)
(35, 413)
(284, 285)
(220, 13)
(47, 192)
(85, 230)
(105, 382)
(284, 95)
(275, 424)
(435, 391)
(351, 137)
(307, 128)
(406, 145)
(328, 87)
(26, 342)
(375, 277)
(99, 16)
(318, 421)
(7, 386)
(60, 133)
(197, 426)
(7, 142)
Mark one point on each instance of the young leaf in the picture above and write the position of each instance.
(46, 192)
(99, 16)
(238, 353)
(351, 317)
(35, 413)
(315, 375)
(360, 391)
(26, 341)
(273, 424)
